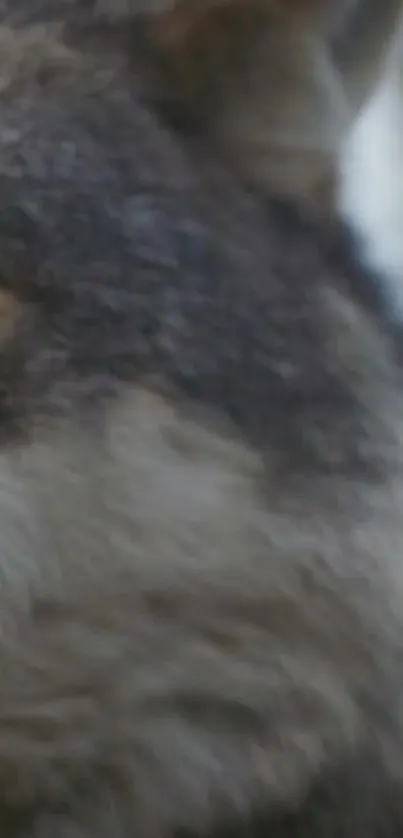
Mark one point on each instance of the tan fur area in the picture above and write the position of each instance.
(266, 82)
(160, 550)
(226, 57)
(10, 310)
(32, 49)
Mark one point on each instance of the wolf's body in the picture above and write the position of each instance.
(201, 483)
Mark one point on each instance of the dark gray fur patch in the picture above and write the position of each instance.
(136, 257)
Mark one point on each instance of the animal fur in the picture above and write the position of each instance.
(230, 65)
(236, 63)
(201, 476)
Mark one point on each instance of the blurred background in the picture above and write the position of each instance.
(371, 193)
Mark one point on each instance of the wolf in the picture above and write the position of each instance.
(201, 475)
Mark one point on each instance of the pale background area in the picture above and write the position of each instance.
(372, 182)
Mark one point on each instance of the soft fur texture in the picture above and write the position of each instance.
(201, 481)
(229, 67)
(236, 63)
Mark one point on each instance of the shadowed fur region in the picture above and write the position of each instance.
(201, 477)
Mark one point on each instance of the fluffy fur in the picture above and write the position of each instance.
(236, 63)
(229, 67)
(201, 482)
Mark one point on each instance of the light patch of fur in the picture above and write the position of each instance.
(288, 142)
(284, 117)
(173, 613)
(25, 51)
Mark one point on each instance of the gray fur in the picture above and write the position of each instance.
(200, 483)
(237, 85)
